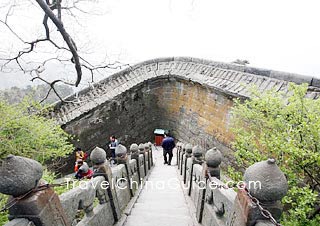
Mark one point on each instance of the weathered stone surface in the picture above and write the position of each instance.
(134, 148)
(80, 197)
(41, 207)
(141, 148)
(19, 175)
(121, 150)
(274, 184)
(197, 151)
(147, 146)
(213, 157)
(98, 155)
(20, 222)
(188, 148)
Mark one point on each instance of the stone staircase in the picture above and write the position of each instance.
(162, 201)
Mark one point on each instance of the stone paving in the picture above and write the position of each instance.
(162, 201)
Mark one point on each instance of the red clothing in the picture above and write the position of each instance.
(87, 175)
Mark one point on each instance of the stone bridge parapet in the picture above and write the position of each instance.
(231, 79)
(103, 200)
(255, 201)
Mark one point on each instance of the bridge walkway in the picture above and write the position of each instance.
(162, 201)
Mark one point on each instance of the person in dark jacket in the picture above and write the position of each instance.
(113, 144)
(167, 145)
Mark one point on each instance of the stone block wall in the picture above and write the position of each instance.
(192, 112)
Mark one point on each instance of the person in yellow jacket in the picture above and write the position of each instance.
(80, 155)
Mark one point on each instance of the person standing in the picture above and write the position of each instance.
(113, 144)
(167, 145)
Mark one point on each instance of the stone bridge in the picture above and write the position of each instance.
(191, 97)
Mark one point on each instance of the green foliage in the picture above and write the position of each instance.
(50, 178)
(24, 133)
(3, 215)
(285, 127)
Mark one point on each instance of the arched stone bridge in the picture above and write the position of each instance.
(191, 97)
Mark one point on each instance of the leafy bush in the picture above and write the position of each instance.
(3, 215)
(30, 135)
(284, 126)
(24, 133)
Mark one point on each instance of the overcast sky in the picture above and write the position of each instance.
(281, 35)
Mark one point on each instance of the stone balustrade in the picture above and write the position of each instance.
(215, 203)
(103, 200)
(98, 202)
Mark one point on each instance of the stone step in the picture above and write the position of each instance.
(162, 210)
(154, 219)
(163, 199)
(172, 205)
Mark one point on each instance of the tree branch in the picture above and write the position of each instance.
(67, 38)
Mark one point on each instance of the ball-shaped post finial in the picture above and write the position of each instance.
(272, 182)
(120, 150)
(213, 157)
(197, 151)
(188, 149)
(141, 148)
(19, 175)
(98, 156)
(134, 148)
(146, 146)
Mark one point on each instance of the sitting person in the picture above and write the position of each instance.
(84, 172)
(78, 165)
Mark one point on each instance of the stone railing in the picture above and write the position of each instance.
(103, 200)
(216, 204)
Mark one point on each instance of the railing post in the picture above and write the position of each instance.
(147, 150)
(134, 149)
(213, 159)
(181, 157)
(211, 166)
(151, 153)
(265, 186)
(187, 155)
(141, 151)
(32, 198)
(179, 144)
(122, 158)
(197, 158)
(102, 168)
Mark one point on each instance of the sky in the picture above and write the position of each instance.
(280, 35)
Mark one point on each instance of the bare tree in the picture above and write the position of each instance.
(65, 53)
